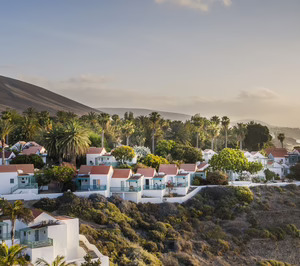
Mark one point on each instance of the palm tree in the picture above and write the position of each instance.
(225, 124)
(240, 131)
(75, 141)
(59, 261)
(128, 130)
(5, 129)
(103, 119)
(12, 256)
(155, 119)
(16, 211)
(214, 131)
(29, 128)
(281, 138)
(199, 123)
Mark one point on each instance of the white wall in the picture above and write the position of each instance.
(5, 187)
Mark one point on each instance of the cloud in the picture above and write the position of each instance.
(203, 5)
(258, 94)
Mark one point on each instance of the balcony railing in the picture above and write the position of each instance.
(24, 186)
(91, 188)
(38, 244)
(154, 187)
(7, 236)
(125, 189)
(186, 184)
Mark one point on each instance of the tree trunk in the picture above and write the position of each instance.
(282, 144)
(13, 225)
(241, 145)
(153, 139)
(226, 138)
(3, 152)
(127, 140)
(73, 160)
(197, 141)
(212, 143)
(102, 139)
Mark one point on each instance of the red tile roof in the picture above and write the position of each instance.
(168, 169)
(202, 165)
(122, 173)
(26, 168)
(191, 167)
(6, 153)
(8, 168)
(36, 213)
(146, 172)
(94, 150)
(101, 170)
(33, 150)
(277, 152)
(85, 169)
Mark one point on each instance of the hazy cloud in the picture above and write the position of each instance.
(258, 94)
(203, 5)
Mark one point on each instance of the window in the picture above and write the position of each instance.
(24, 233)
(12, 181)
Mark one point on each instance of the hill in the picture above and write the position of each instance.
(219, 226)
(19, 95)
(145, 112)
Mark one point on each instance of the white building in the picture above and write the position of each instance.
(50, 236)
(94, 178)
(17, 178)
(208, 154)
(279, 155)
(92, 154)
(9, 155)
(35, 149)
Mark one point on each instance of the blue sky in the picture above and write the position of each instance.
(239, 58)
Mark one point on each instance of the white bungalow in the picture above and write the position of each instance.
(208, 154)
(94, 178)
(92, 154)
(154, 185)
(35, 149)
(202, 169)
(277, 168)
(279, 155)
(49, 236)
(17, 179)
(259, 158)
(190, 168)
(9, 155)
(126, 185)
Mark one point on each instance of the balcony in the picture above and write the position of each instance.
(92, 188)
(24, 186)
(186, 184)
(7, 236)
(38, 244)
(125, 189)
(155, 187)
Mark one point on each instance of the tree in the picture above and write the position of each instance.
(295, 172)
(5, 129)
(29, 127)
(103, 120)
(61, 174)
(34, 159)
(270, 175)
(123, 153)
(89, 262)
(10, 256)
(254, 167)
(199, 123)
(16, 211)
(154, 161)
(155, 119)
(214, 131)
(281, 138)
(128, 130)
(225, 124)
(164, 147)
(186, 153)
(257, 136)
(74, 141)
(217, 178)
(59, 261)
(170, 186)
(141, 151)
(240, 130)
(229, 160)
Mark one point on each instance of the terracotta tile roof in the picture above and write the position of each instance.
(63, 218)
(94, 150)
(36, 213)
(33, 150)
(202, 165)
(26, 168)
(277, 152)
(122, 173)
(146, 172)
(85, 169)
(101, 170)
(168, 169)
(135, 177)
(191, 167)
(8, 168)
(6, 154)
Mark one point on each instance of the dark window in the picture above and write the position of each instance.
(12, 181)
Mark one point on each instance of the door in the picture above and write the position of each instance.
(122, 185)
(36, 235)
(96, 183)
(147, 183)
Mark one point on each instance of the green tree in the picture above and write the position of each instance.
(128, 129)
(6, 127)
(10, 256)
(88, 261)
(270, 175)
(199, 123)
(164, 147)
(30, 128)
(16, 211)
(61, 174)
(59, 261)
(214, 132)
(257, 136)
(123, 153)
(74, 141)
(254, 167)
(240, 130)
(103, 120)
(281, 138)
(295, 172)
(225, 124)
(34, 159)
(155, 119)
(186, 153)
(154, 161)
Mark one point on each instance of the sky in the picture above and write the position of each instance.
(239, 58)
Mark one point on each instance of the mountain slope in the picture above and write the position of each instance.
(20, 95)
(139, 111)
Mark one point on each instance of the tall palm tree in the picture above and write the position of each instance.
(75, 141)
(199, 123)
(59, 261)
(128, 129)
(155, 119)
(29, 128)
(6, 128)
(240, 130)
(103, 119)
(214, 132)
(225, 124)
(16, 211)
(281, 138)
(10, 256)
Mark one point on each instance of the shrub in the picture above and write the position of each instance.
(150, 246)
(244, 194)
(273, 263)
(34, 159)
(46, 204)
(217, 178)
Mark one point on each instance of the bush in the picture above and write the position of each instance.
(150, 246)
(46, 204)
(34, 159)
(217, 178)
(244, 194)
